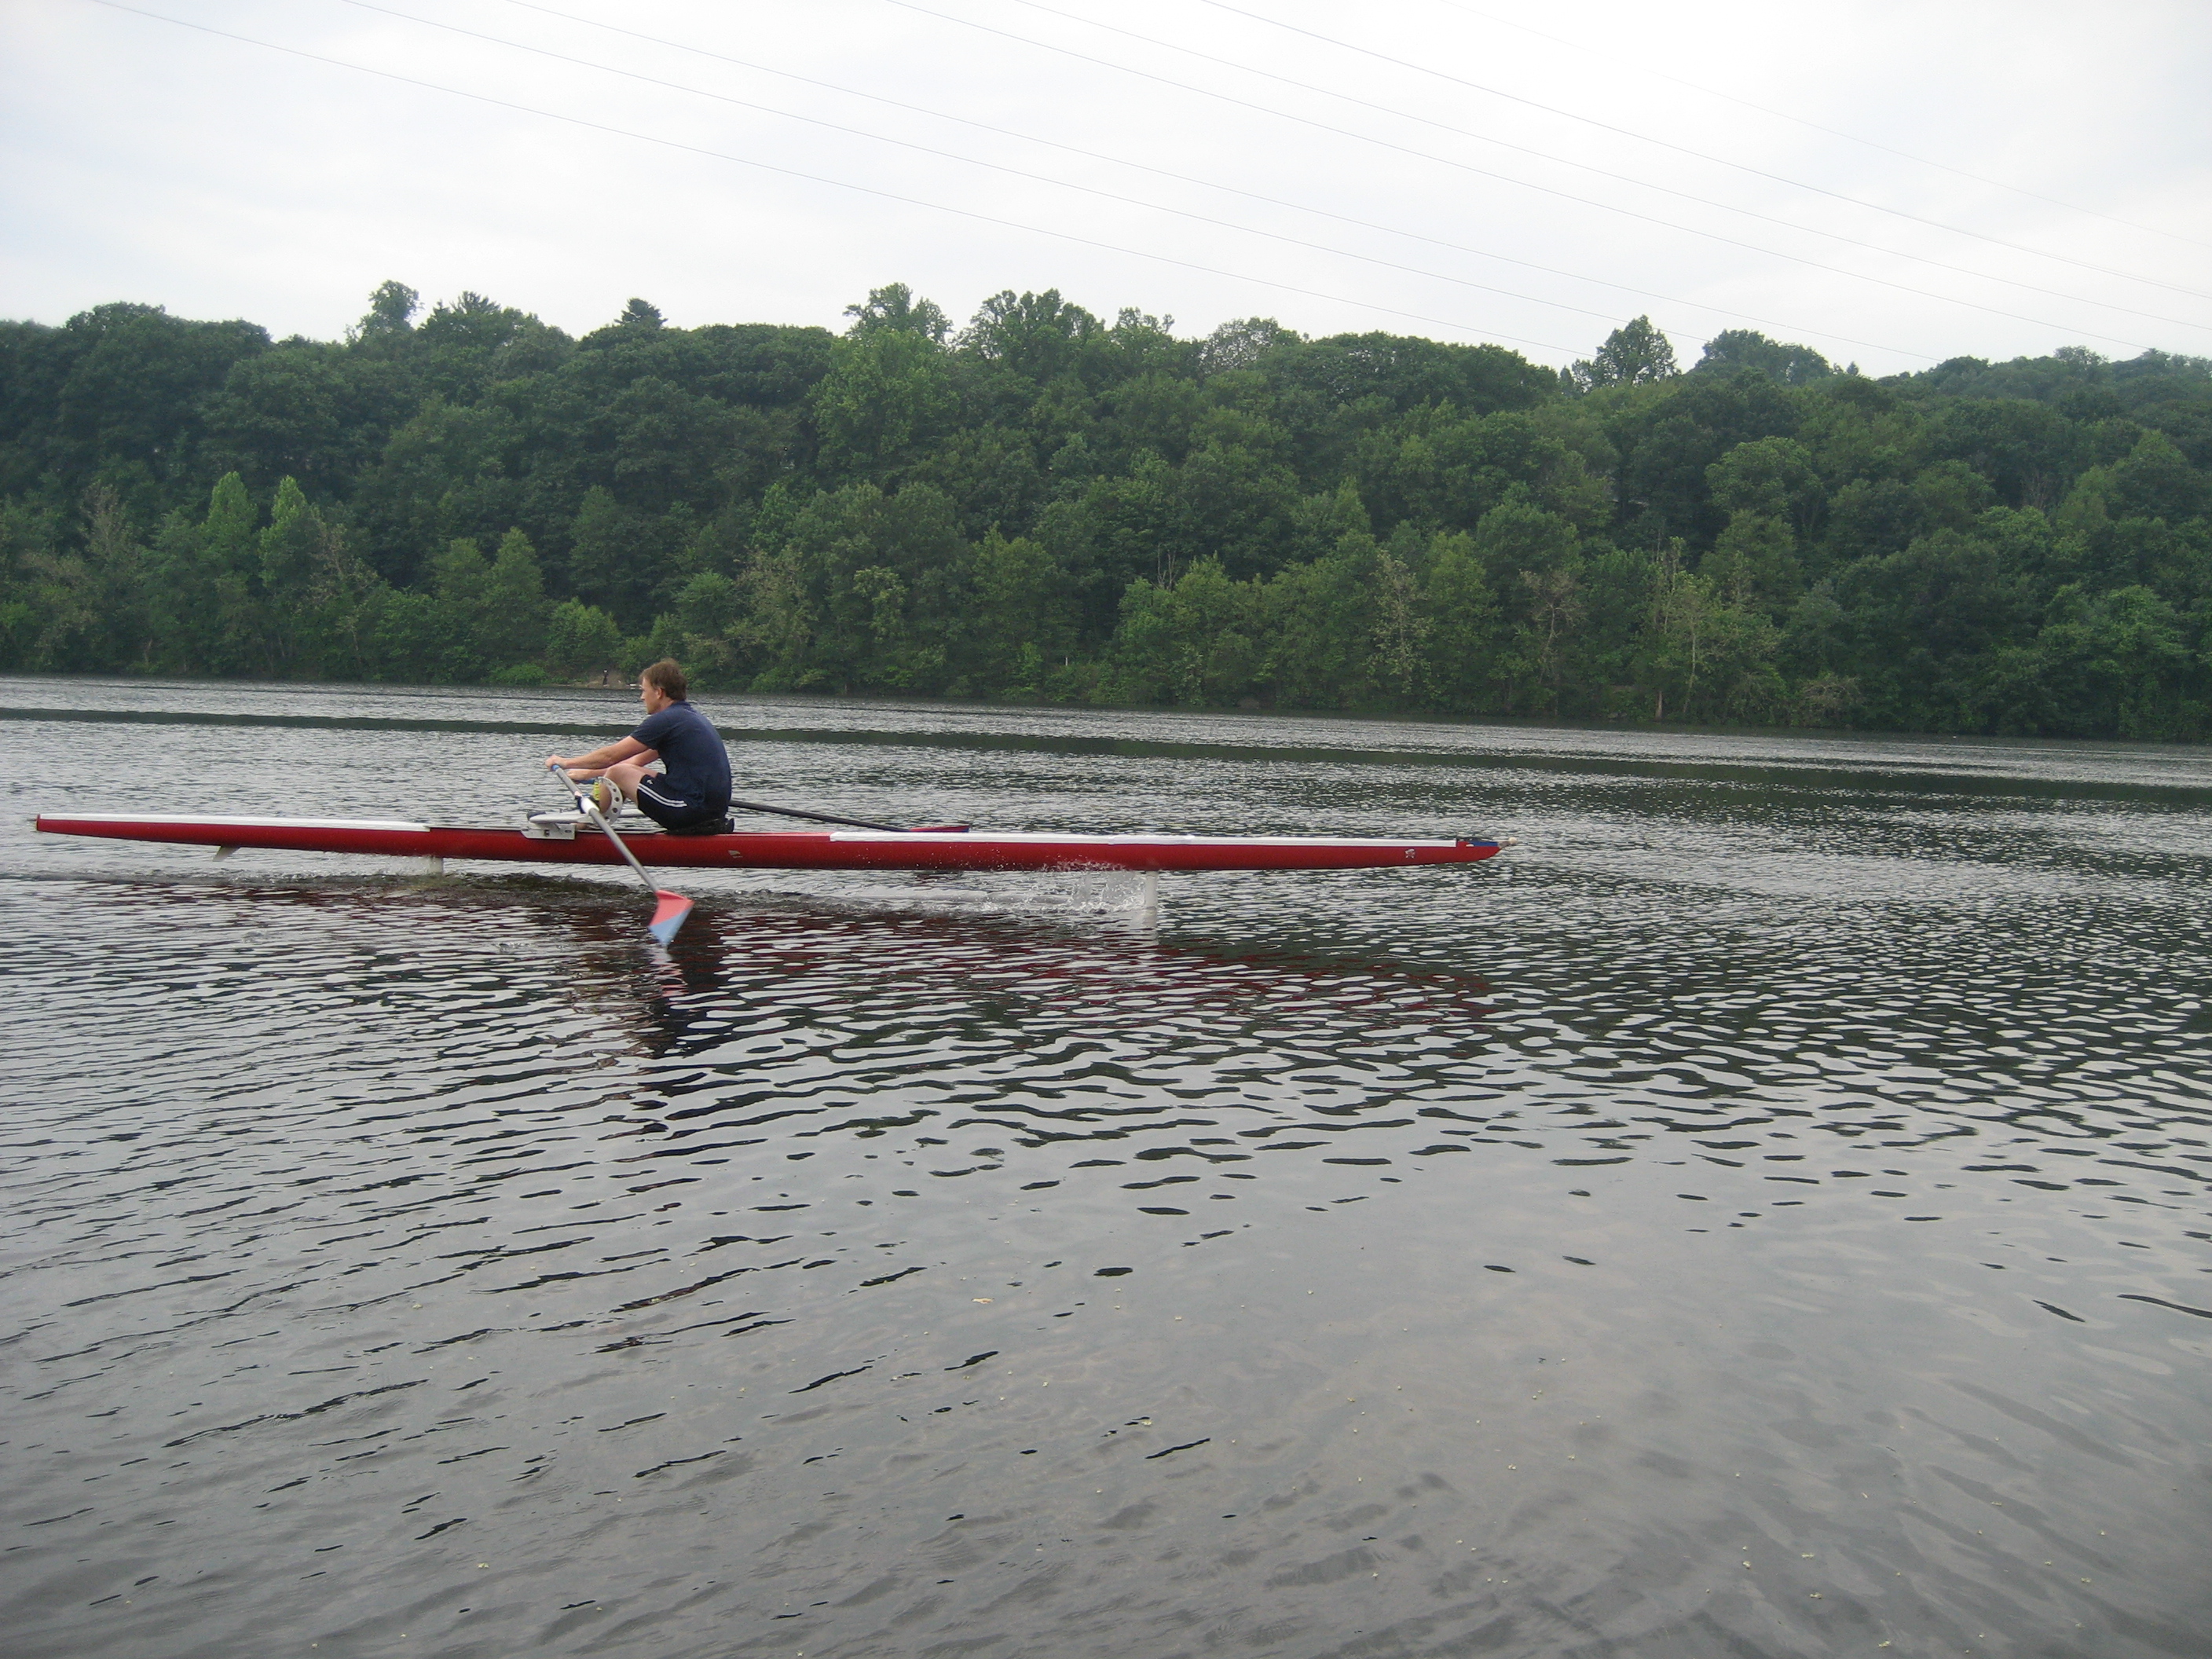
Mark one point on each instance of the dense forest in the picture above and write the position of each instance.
(1047, 506)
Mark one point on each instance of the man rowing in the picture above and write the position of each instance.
(692, 790)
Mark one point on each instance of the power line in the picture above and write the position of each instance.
(927, 149)
(1834, 132)
(1679, 150)
(817, 179)
(1590, 167)
(1548, 190)
(994, 167)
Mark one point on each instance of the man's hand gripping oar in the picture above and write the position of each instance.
(670, 908)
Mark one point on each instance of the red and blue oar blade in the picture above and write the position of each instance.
(668, 915)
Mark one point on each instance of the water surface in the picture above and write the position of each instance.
(1765, 1213)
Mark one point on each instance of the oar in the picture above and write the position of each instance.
(670, 909)
(857, 823)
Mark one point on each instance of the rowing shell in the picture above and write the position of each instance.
(558, 838)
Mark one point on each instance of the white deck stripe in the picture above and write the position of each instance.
(1039, 837)
(243, 823)
(1018, 837)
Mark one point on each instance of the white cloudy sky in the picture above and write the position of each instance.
(1891, 181)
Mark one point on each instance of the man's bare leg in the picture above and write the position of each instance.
(624, 775)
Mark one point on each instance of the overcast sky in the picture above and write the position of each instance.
(1890, 183)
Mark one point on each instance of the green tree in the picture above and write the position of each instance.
(1632, 354)
(1737, 348)
(1195, 642)
(1403, 624)
(1674, 645)
(1325, 621)
(1383, 522)
(705, 630)
(1236, 500)
(461, 580)
(2153, 481)
(288, 412)
(668, 442)
(124, 390)
(294, 549)
(203, 582)
(2116, 663)
(450, 470)
(1753, 566)
(1547, 639)
(1928, 623)
(619, 558)
(511, 624)
(1120, 529)
(30, 537)
(1463, 642)
(1023, 623)
(889, 392)
(1769, 478)
(1036, 337)
(390, 318)
(1437, 467)
(582, 642)
(869, 590)
(1743, 680)
(401, 637)
(894, 308)
(91, 605)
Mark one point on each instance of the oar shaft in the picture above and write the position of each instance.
(583, 801)
(819, 818)
(669, 910)
(621, 846)
(591, 812)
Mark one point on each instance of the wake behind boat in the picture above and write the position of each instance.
(569, 836)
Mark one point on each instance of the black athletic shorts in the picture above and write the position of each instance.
(672, 807)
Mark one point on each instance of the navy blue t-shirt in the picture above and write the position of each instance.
(698, 765)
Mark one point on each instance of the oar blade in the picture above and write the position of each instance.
(668, 915)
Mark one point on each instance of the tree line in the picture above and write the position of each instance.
(1045, 505)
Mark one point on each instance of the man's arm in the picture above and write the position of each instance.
(601, 758)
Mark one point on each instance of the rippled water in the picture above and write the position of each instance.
(1765, 1213)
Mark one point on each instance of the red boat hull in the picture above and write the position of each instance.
(842, 849)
